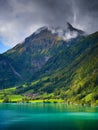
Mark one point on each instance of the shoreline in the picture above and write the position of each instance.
(49, 101)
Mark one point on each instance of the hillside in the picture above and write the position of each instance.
(26, 58)
(72, 74)
(45, 66)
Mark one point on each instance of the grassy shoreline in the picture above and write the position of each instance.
(49, 101)
(35, 101)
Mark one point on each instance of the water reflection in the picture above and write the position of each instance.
(46, 116)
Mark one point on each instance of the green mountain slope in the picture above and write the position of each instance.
(8, 74)
(49, 67)
(72, 74)
(28, 57)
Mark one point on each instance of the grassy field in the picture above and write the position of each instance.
(18, 98)
(7, 95)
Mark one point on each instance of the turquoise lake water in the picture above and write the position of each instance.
(47, 116)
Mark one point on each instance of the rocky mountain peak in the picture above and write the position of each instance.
(73, 29)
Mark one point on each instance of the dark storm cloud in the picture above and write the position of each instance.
(57, 11)
(19, 18)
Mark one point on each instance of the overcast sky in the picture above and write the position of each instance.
(20, 18)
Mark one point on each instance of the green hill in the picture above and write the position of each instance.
(72, 74)
(19, 63)
(45, 66)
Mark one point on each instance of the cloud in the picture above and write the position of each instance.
(18, 21)
(20, 18)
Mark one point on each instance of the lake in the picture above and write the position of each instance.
(47, 116)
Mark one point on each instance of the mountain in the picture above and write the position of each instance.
(58, 63)
(71, 74)
(68, 33)
(22, 61)
(72, 29)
